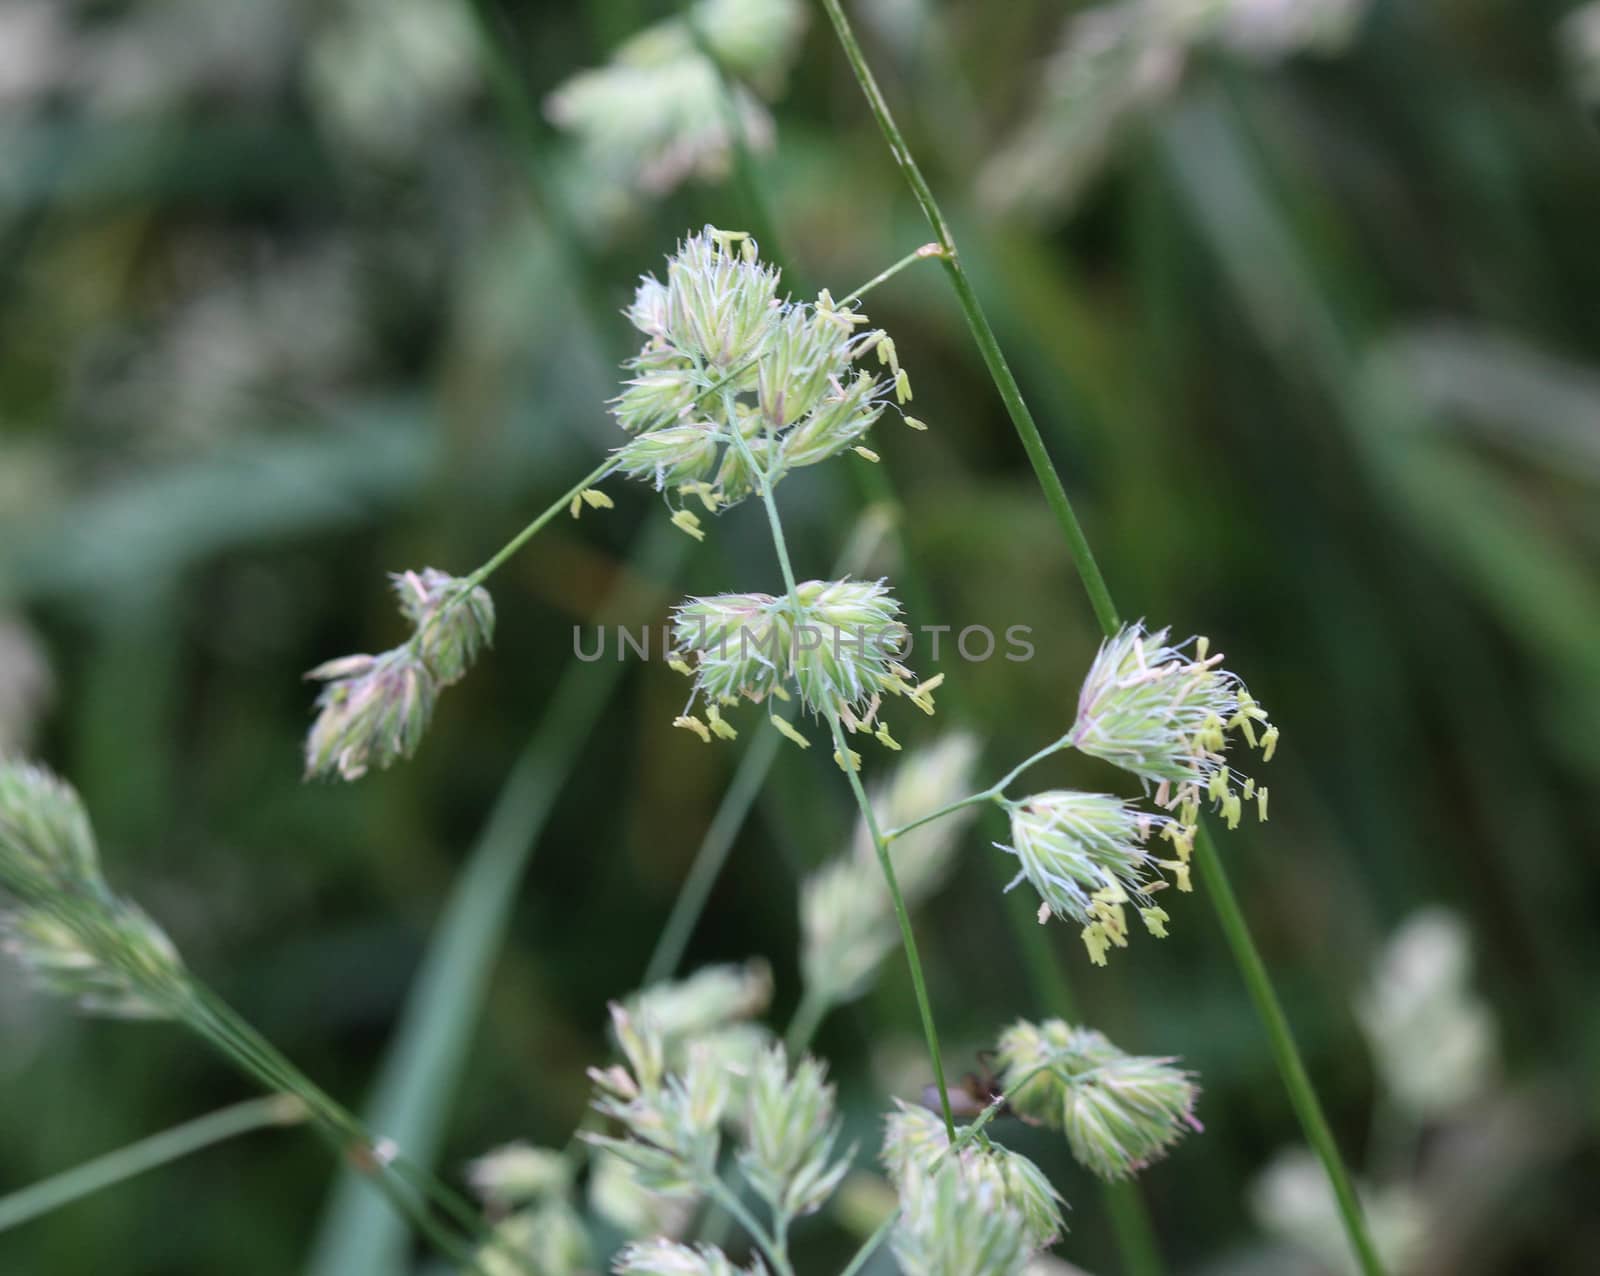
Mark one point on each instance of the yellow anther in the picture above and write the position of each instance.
(1094, 939)
(705, 491)
(866, 454)
(902, 387)
(1155, 921)
(678, 665)
(1269, 743)
(1232, 808)
(684, 521)
(1261, 803)
(594, 498)
(785, 729)
(691, 723)
(887, 353)
(576, 507)
(854, 763)
(779, 693)
(720, 728)
(882, 736)
(914, 423)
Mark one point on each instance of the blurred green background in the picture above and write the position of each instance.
(295, 294)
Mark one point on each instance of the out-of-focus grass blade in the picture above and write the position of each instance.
(361, 1235)
(247, 494)
(1469, 513)
(1492, 384)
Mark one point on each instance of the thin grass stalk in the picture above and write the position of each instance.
(148, 1154)
(908, 940)
(1286, 1053)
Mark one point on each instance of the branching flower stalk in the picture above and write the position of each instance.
(848, 763)
(375, 710)
(1290, 1065)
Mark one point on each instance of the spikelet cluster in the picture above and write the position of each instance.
(790, 1131)
(1169, 715)
(735, 383)
(518, 1173)
(847, 922)
(916, 1145)
(713, 1012)
(659, 113)
(669, 1258)
(674, 1117)
(375, 710)
(1089, 855)
(834, 645)
(955, 1224)
(672, 1120)
(548, 1237)
(74, 937)
(1433, 1038)
(1119, 1111)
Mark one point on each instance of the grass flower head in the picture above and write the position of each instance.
(914, 1139)
(1088, 856)
(736, 384)
(1169, 714)
(1120, 1112)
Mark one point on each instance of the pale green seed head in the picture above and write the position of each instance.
(1169, 714)
(669, 1258)
(712, 997)
(73, 936)
(451, 625)
(736, 384)
(847, 644)
(955, 1224)
(790, 1129)
(722, 301)
(837, 651)
(548, 1239)
(46, 840)
(1089, 856)
(111, 959)
(1434, 1039)
(518, 1173)
(1120, 1112)
(671, 456)
(803, 355)
(739, 643)
(616, 1195)
(658, 112)
(373, 711)
(850, 407)
(915, 1138)
(671, 1119)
